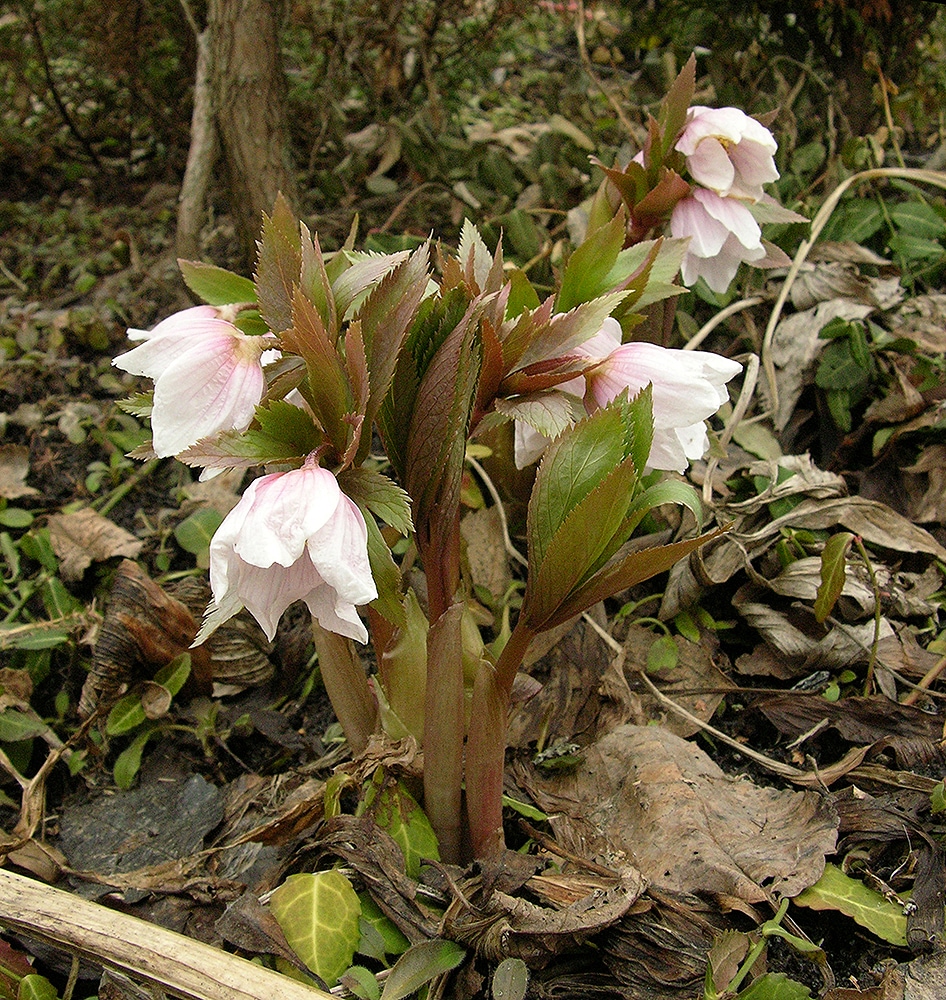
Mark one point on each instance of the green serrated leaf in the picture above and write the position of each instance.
(126, 714)
(139, 405)
(319, 914)
(418, 965)
(215, 285)
(673, 109)
(628, 572)
(386, 575)
(278, 267)
(572, 466)
(583, 539)
(837, 891)
(382, 496)
(833, 573)
(585, 274)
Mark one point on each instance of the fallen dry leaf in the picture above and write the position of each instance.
(687, 825)
(14, 468)
(82, 537)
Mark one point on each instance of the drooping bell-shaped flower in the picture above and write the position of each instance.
(208, 376)
(294, 536)
(723, 234)
(688, 387)
(728, 152)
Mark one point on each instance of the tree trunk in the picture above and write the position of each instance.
(192, 202)
(250, 109)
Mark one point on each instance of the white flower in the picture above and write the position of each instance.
(207, 375)
(722, 235)
(293, 536)
(688, 387)
(728, 152)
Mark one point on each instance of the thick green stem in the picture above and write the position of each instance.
(486, 744)
(346, 685)
(443, 731)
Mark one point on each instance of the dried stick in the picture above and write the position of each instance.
(174, 963)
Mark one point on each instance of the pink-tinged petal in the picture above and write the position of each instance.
(711, 166)
(690, 218)
(155, 355)
(666, 453)
(282, 511)
(598, 346)
(214, 385)
(293, 536)
(183, 322)
(340, 549)
(335, 615)
(266, 593)
(728, 152)
(681, 392)
(733, 215)
(754, 164)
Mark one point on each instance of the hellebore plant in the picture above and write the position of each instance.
(384, 349)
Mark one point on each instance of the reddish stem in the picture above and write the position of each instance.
(486, 744)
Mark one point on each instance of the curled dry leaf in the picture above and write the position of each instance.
(82, 537)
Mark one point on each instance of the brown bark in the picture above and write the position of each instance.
(250, 108)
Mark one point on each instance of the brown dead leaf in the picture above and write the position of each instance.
(485, 553)
(857, 720)
(14, 468)
(695, 670)
(687, 825)
(923, 318)
(82, 537)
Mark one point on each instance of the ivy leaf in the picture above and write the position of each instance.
(318, 912)
(215, 285)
